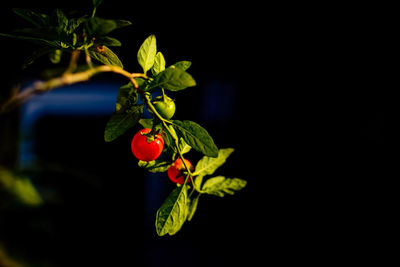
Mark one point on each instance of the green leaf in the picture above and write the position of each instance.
(74, 23)
(127, 97)
(26, 192)
(96, 3)
(172, 131)
(159, 64)
(182, 65)
(105, 56)
(207, 165)
(62, 20)
(142, 83)
(19, 188)
(168, 141)
(51, 34)
(193, 207)
(121, 121)
(146, 123)
(219, 186)
(106, 40)
(100, 27)
(196, 136)
(173, 212)
(122, 23)
(183, 146)
(147, 53)
(168, 135)
(154, 166)
(173, 79)
(197, 181)
(39, 20)
(32, 39)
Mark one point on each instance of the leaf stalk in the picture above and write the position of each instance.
(176, 141)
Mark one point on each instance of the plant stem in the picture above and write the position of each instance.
(163, 94)
(176, 141)
(67, 78)
(94, 12)
(87, 58)
(73, 62)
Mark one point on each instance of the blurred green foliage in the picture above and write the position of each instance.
(17, 189)
(7, 261)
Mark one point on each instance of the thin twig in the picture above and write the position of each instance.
(66, 79)
(88, 58)
(73, 62)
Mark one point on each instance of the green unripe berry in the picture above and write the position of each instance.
(164, 106)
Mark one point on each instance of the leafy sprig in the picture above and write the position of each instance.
(57, 33)
(180, 205)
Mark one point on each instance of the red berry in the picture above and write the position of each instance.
(146, 150)
(175, 172)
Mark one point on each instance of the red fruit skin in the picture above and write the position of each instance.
(143, 150)
(175, 172)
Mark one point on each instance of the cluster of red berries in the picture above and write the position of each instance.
(149, 148)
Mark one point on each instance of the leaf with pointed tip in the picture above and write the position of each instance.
(173, 212)
(39, 20)
(105, 56)
(96, 3)
(159, 64)
(208, 165)
(18, 188)
(147, 53)
(106, 40)
(74, 23)
(172, 79)
(121, 121)
(219, 185)
(182, 64)
(32, 39)
(183, 147)
(155, 166)
(62, 20)
(196, 136)
(193, 207)
(127, 97)
(100, 27)
(45, 33)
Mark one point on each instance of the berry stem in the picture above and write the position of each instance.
(163, 94)
(176, 141)
(94, 12)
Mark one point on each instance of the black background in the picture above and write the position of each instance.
(307, 124)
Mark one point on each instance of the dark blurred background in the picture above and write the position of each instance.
(299, 95)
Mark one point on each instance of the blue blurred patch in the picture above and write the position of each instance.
(218, 101)
(90, 99)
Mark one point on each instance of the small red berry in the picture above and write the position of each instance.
(145, 149)
(175, 172)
